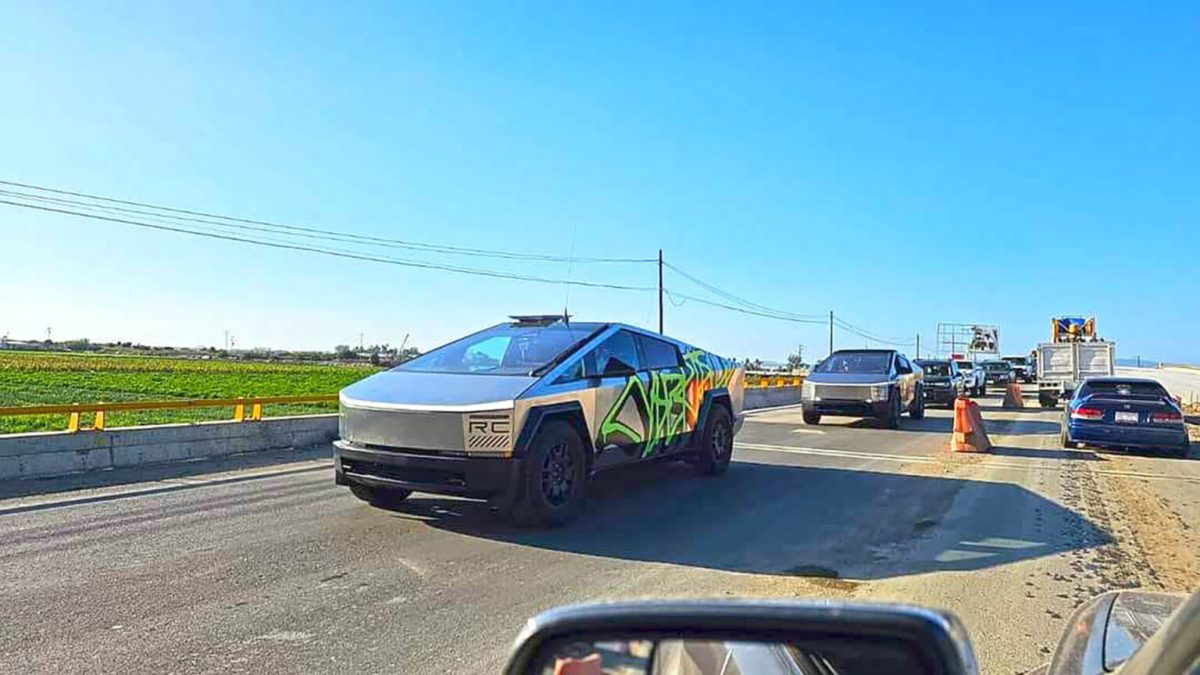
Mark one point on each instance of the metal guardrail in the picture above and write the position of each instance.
(762, 380)
(239, 405)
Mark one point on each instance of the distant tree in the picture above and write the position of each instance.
(343, 352)
(795, 361)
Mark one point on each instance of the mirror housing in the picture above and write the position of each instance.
(617, 368)
(933, 642)
(1134, 631)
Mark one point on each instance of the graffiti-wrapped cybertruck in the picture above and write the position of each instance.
(524, 413)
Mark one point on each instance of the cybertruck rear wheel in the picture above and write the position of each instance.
(555, 477)
(716, 443)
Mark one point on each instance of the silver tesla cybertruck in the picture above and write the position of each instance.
(523, 414)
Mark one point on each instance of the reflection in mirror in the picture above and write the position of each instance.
(726, 657)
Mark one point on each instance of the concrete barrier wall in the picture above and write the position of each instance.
(766, 397)
(46, 454)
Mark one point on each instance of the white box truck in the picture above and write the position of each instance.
(1061, 366)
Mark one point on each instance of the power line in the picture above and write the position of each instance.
(755, 309)
(741, 310)
(335, 252)
(738, 300)
(874, 336)
(299, 231)
(870, 336)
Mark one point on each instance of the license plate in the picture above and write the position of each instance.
(1126, 417)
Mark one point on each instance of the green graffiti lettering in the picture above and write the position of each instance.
(666, 404)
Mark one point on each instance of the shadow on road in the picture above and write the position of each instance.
(1020, 427)
(770, 519)
(941, 425)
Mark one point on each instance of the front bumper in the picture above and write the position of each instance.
(998, 379)
(940, 394)
(424, 471)
(851, 408)
(1125, 436)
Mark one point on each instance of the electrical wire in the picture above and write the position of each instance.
(872, 337)
(230, 228)
(299, 231)
(333, 252)
(738, 300)
(741, 310)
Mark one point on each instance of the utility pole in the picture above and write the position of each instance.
(918, 345)
(226, 340)
(831, 331)
(660, 293)
(48, 338)
(360, 342)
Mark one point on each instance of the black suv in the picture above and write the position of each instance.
(879, 383)
(943, 381)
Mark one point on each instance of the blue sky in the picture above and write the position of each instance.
(901, 166)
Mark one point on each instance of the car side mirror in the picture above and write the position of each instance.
(771, 637)
(618, 368)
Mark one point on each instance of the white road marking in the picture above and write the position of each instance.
(415, 568)
(837, 453)
(802, 430)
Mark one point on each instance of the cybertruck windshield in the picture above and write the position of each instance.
(855, 362)
(506, 349)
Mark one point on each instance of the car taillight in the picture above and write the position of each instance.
(1087, 414)
(1166, 418)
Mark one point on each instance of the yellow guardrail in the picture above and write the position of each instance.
(759, 380)
(239, 405)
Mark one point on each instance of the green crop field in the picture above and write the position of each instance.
(46, 378)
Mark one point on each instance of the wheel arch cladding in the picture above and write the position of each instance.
(569, 411)
(713, 397)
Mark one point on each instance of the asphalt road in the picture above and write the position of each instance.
(272, 568)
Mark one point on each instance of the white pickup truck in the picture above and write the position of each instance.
(1062, 366)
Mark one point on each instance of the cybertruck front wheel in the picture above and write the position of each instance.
(554, 483)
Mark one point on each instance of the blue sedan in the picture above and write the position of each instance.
(1124, 413)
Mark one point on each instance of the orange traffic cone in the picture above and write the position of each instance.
(968, 434)
(1012, 397)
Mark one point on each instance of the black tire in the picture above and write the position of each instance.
(1184, 450)
(917, 412)
(950, 404)
(379, 496)
(715, 445)
(813, 418)
(554, 481)
(890, 419)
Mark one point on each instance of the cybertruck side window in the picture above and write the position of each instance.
(619, 347)
(658, 354)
